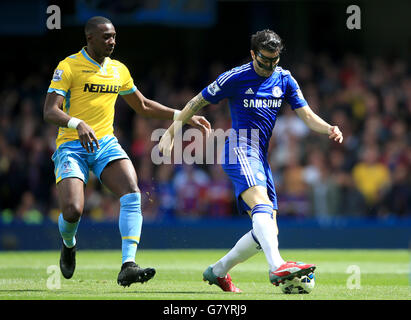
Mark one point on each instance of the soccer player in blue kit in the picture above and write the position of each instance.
(255, 92)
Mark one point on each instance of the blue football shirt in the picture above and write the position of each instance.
(254, 100)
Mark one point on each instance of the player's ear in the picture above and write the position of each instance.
(89, 36)
(252, 54)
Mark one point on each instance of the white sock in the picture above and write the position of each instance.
(244, 249)
(266, 233)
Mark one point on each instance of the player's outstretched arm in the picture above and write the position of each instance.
(152, 109)
(315, 123)
(193, 106)
(148, 108)
(52, 113)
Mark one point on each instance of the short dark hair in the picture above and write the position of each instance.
(266, 40)
(93, 22)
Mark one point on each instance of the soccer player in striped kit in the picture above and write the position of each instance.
(255, 91)
(80, 100)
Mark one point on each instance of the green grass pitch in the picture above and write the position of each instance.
(378, 274)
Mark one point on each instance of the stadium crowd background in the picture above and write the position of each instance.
(369, 175)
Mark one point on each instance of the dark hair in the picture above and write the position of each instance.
(266, 40)
(93, 22)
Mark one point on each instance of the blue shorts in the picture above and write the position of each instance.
(71, 160)
(246, 168)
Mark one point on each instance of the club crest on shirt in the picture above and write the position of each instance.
(57, 75)
(277, 92)
(116, 74)
(213, 88)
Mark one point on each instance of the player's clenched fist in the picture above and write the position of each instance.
(335, 133)
(166, 144)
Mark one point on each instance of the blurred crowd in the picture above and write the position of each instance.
(367, 176)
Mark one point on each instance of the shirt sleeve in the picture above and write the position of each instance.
(61, 81)
(220, 89)
(127, 83)
(294, 95)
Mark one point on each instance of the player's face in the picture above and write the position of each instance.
(265, 62)
(103, 39)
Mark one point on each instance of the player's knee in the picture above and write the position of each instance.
(130, 188)
(255, 196)
(133, 188)
(72, 212)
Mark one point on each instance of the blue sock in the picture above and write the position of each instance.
(130, 222)
(68, 231)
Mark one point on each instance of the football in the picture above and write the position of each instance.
(305, 284)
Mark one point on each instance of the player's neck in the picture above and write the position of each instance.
(94, 56)
(260, 72)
